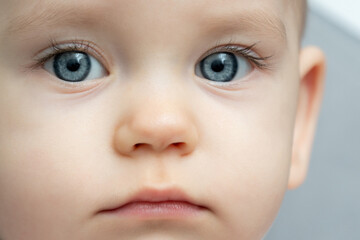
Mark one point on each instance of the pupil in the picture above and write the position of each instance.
(217, 66)
(73, 65)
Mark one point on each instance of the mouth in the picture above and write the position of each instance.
(153, 203)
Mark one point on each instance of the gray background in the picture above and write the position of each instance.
(327, 205)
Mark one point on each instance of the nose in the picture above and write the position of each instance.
(157, 128)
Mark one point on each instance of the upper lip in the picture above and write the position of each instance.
(157, 195)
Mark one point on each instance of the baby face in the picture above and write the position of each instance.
(145, 119)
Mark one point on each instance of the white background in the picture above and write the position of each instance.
(344, 13)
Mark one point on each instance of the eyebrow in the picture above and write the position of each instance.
(49, 16)
(257, 21)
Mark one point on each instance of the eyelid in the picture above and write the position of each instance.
(259, 63)
(246, 52)
(66, 46)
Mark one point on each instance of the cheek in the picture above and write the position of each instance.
(250, 143)
(46, 166)
(34, 182)
(249, 181)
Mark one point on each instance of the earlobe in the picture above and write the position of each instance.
(312, 73)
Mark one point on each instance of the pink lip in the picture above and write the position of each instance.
(153, 203)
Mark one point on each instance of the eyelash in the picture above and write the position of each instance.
(84, 46)
(246, 52)
(58, 48)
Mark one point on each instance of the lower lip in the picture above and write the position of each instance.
(165, 209)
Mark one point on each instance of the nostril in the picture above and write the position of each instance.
(138, 145)
(178, 144)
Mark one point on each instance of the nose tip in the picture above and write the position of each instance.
(156, 132)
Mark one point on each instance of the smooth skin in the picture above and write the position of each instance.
(69, 150)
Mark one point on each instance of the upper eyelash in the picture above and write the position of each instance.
(247, 52)
(83, 46)
(56, 48)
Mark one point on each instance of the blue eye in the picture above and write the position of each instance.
(74, 66)
(223, 67)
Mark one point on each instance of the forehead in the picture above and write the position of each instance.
(162, 9)
(153, 5)
(261, 16)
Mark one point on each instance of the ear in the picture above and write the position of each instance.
(312, 73)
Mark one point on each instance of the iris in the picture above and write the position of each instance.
(219, 67)
(72, 66)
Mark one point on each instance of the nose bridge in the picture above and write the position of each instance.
(159, 120)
